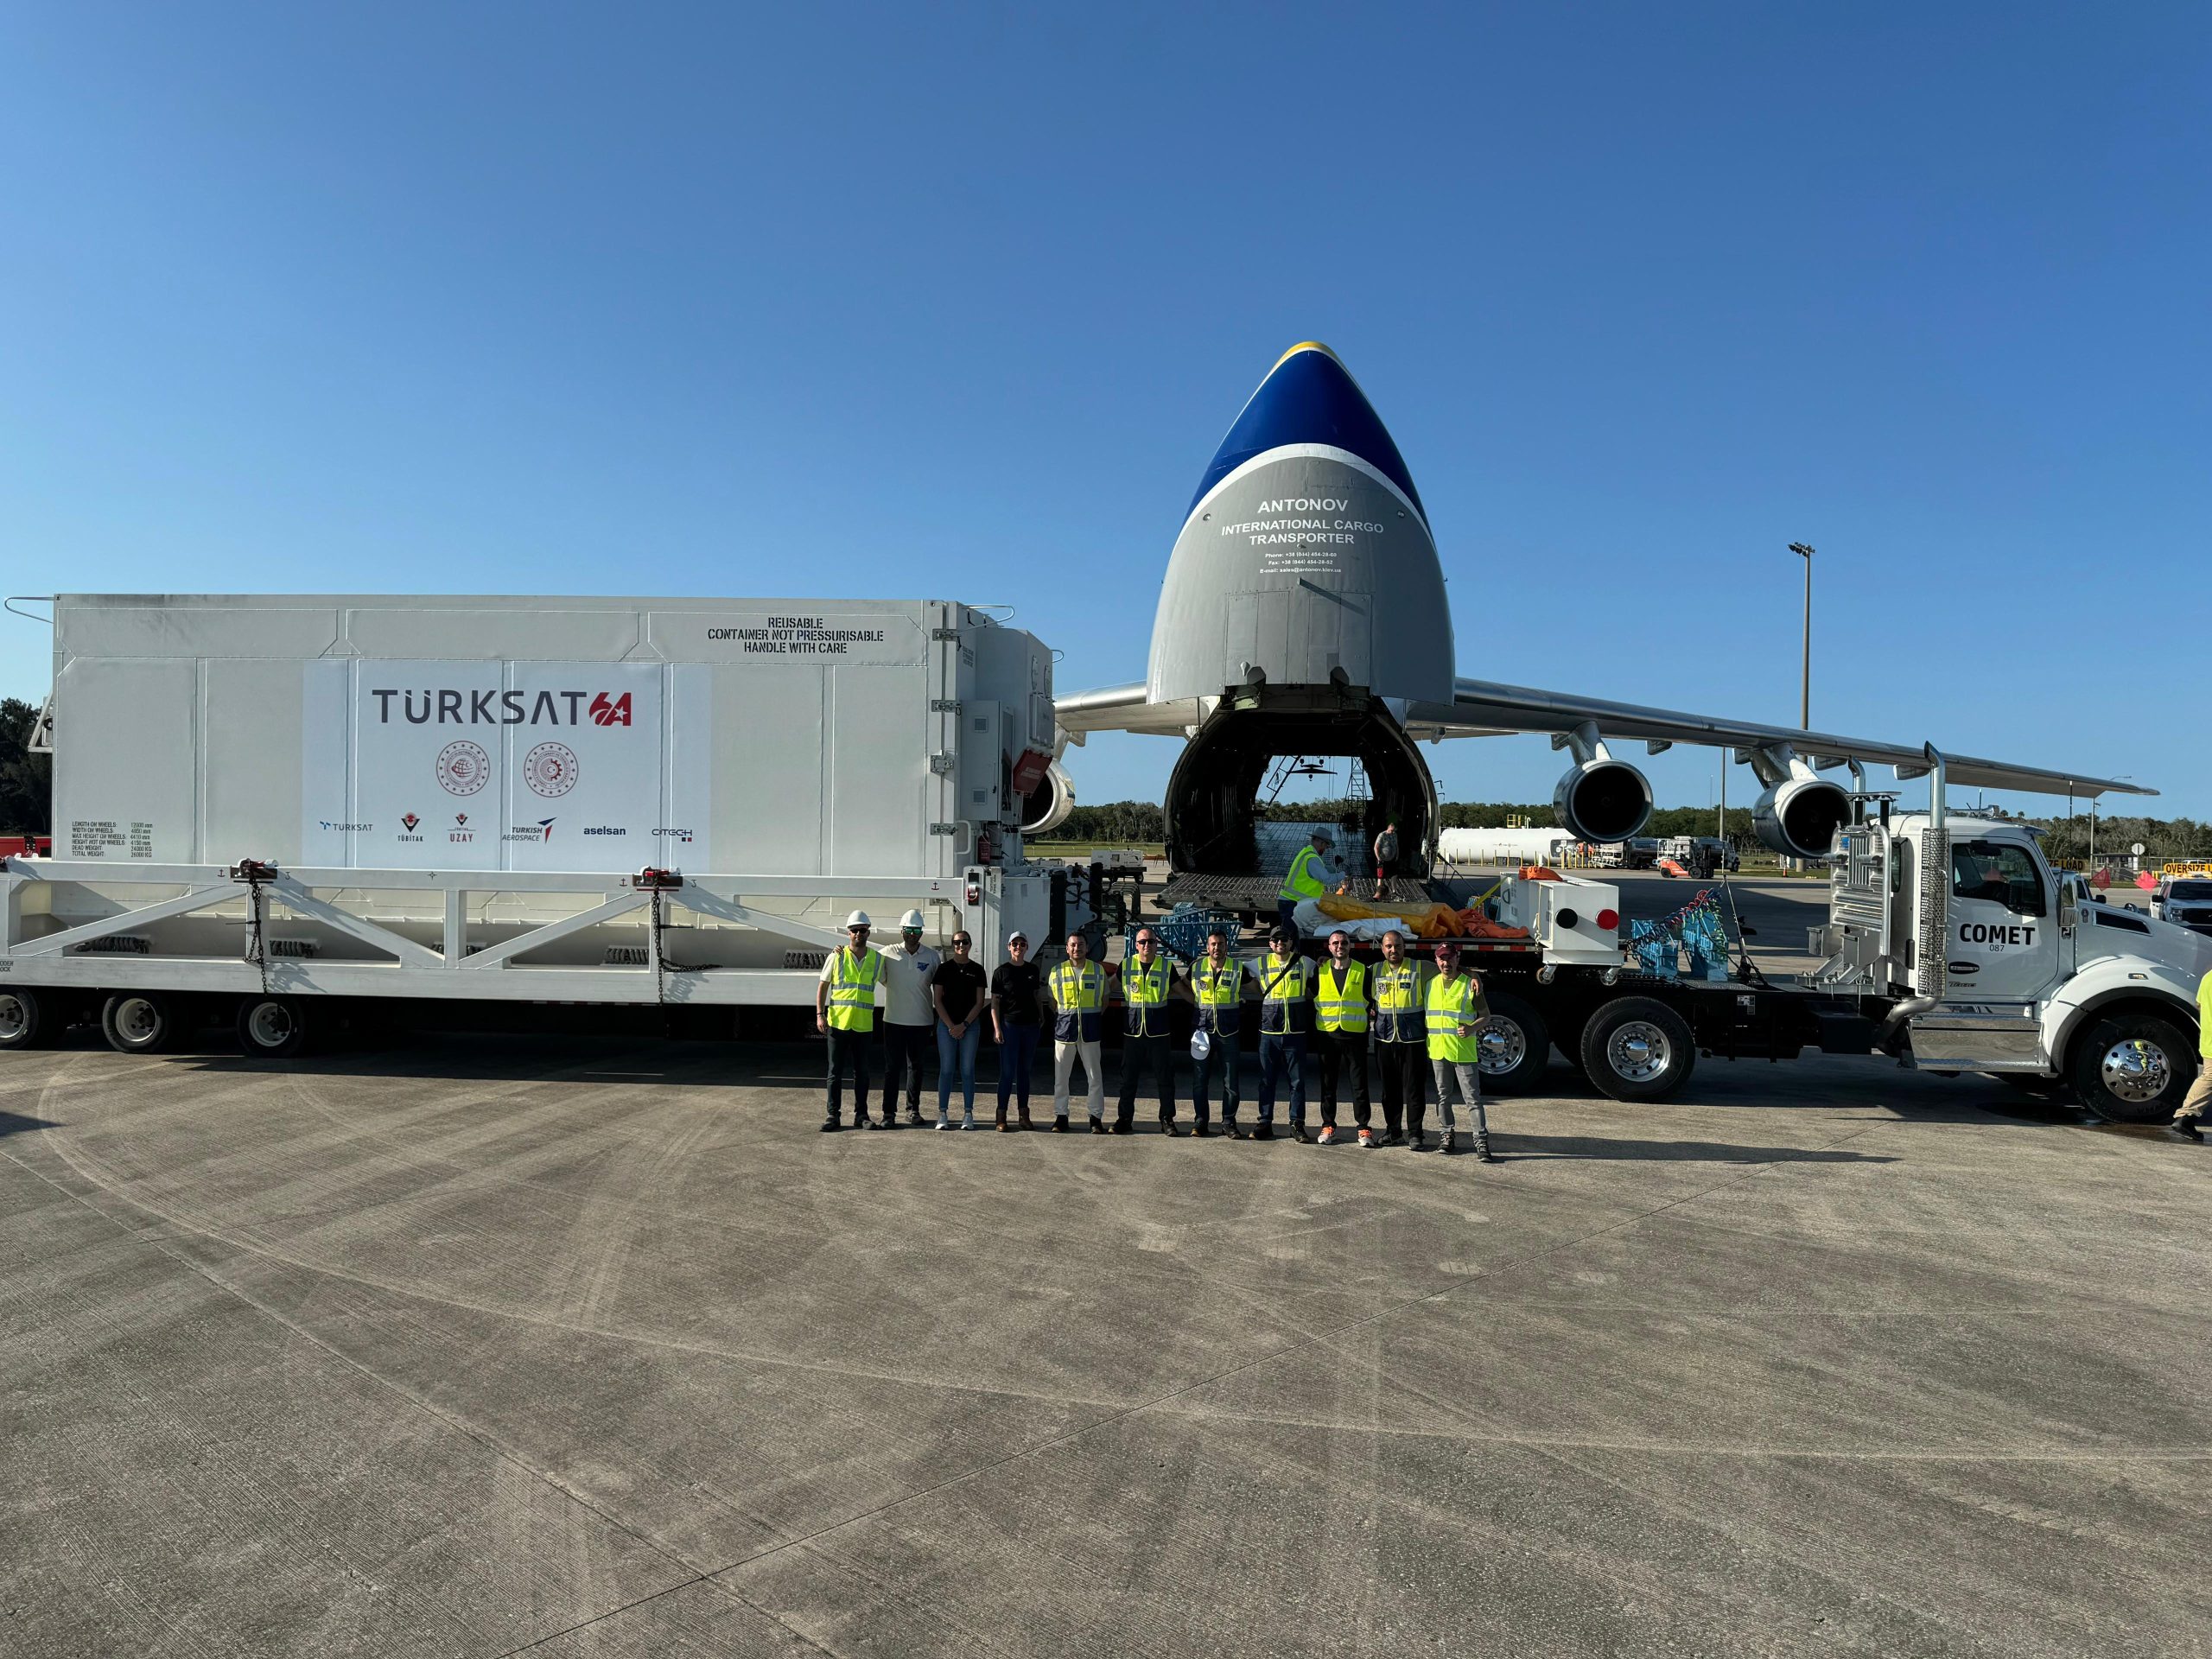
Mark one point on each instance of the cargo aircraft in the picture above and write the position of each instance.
(1303, 613)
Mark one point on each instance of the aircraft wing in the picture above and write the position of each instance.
(1483, 708)
(1122, 709)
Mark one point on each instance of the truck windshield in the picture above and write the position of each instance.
(2000, 872)
(2191, 889)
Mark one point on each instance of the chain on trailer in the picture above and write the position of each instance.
(659, 883)
(255, 872)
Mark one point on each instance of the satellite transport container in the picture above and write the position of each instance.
(596, 800)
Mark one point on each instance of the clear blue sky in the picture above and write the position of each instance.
(538, 298)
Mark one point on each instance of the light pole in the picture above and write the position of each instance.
(1805, 684)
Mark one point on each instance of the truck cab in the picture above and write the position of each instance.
(2185, 901)
(2005, 966)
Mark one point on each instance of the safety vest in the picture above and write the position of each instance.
(1221, 996)
(1078, 994)
(1144, 997)
(2204, 1017)
(1399, 1015)
(1299, 882)
(1284, 1010)
(1453, 1003)
(852, 989)
(1340, 1007)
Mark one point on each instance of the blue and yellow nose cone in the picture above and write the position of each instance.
(1309, 397)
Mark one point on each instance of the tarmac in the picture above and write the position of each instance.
(549, 1345)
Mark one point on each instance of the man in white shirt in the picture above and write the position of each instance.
(909, 1018)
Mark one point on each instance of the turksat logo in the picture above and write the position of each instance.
(437, 707)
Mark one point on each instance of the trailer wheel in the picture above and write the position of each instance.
(1513, 1047)
(272, 1028)
(28, 1018)
(140, 1022)
(2133, 1068)
(1638, 1049)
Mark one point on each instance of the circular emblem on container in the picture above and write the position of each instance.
(463, 768)
(551, 769)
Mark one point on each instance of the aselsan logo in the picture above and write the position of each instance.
(605, 829)
(442, 706)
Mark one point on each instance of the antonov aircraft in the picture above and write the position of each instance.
(1304, 614)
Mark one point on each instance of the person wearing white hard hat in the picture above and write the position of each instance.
(844, 1012)
(909, 1018)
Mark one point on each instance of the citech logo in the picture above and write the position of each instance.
(615, 711)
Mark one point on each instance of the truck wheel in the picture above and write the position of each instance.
(140, 1022)
(2133, 1068)
(272, 1028)
(1514, 1048)
(28, 1018)
(1638, 1049)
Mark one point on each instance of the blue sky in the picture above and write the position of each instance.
(536, 298)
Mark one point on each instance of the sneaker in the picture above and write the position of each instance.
(1059, 1126)
(1199, 1131)
(889, 1121)
(1125, 1129)
(830, 1126)
(1328, 1135)
(1299, 1134)
(1167, 1127)
(1265, 1132)
(944, 1122)
(914, 1115)
(870, 1123)
(1099, 1125)
(1366, 1140)
(1446, 1146)
(2184, 1129)
(1416, 1141)
(1483, 1152)
(968, 1123)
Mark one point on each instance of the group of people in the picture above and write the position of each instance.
(1411, 1024)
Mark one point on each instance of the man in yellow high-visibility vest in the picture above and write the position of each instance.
(1303, 880)
(1457, 1008)
(2200, 1092)
(844, 1012)
(1340, 1007)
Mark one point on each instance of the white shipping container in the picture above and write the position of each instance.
(764, 736)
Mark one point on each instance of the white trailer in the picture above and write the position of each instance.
(267, 806)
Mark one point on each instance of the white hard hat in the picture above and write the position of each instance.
(911, 922)
(858, 918)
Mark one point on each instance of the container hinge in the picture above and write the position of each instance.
(945, 705)
(944, 829)
(950, 634)
(943, 764)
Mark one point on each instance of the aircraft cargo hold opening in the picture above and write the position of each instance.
(1214, 792)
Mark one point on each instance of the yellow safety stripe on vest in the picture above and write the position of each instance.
(1220, 987)
(1082, 989)
(1144, 985)
(1341, 1006)
(1398, 987)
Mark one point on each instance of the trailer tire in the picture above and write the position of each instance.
(29, 1018)
(141, 1022)
(272, 1028)
(1513, 1045)
(1638, 1049)
(2132, 1068)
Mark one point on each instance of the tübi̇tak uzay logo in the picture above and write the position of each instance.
(451, 708)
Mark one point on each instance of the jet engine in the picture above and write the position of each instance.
(1600, 799)
(1799, 817)
(1046, 808)
(1603, 800)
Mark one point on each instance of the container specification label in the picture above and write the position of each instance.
(110, 838)
(826, 639)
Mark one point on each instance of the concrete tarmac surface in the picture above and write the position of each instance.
(569, 1347)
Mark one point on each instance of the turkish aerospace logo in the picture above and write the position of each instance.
(450, 708)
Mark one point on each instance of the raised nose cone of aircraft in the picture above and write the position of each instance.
(1306, 555)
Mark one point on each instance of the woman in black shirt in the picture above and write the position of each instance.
(957, 990)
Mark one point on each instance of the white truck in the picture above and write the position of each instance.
(288, 810)
(1950, 943)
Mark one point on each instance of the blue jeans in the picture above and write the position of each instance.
(963, 1046)
(1017, 1055)
(1283, 1053)
(1222, 1057)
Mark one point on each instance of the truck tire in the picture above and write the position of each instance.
(1638, 1049)
(29, 1018)
(140, 1022)
(1514, 1046)
(2132, 1068)
(272, 1028)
